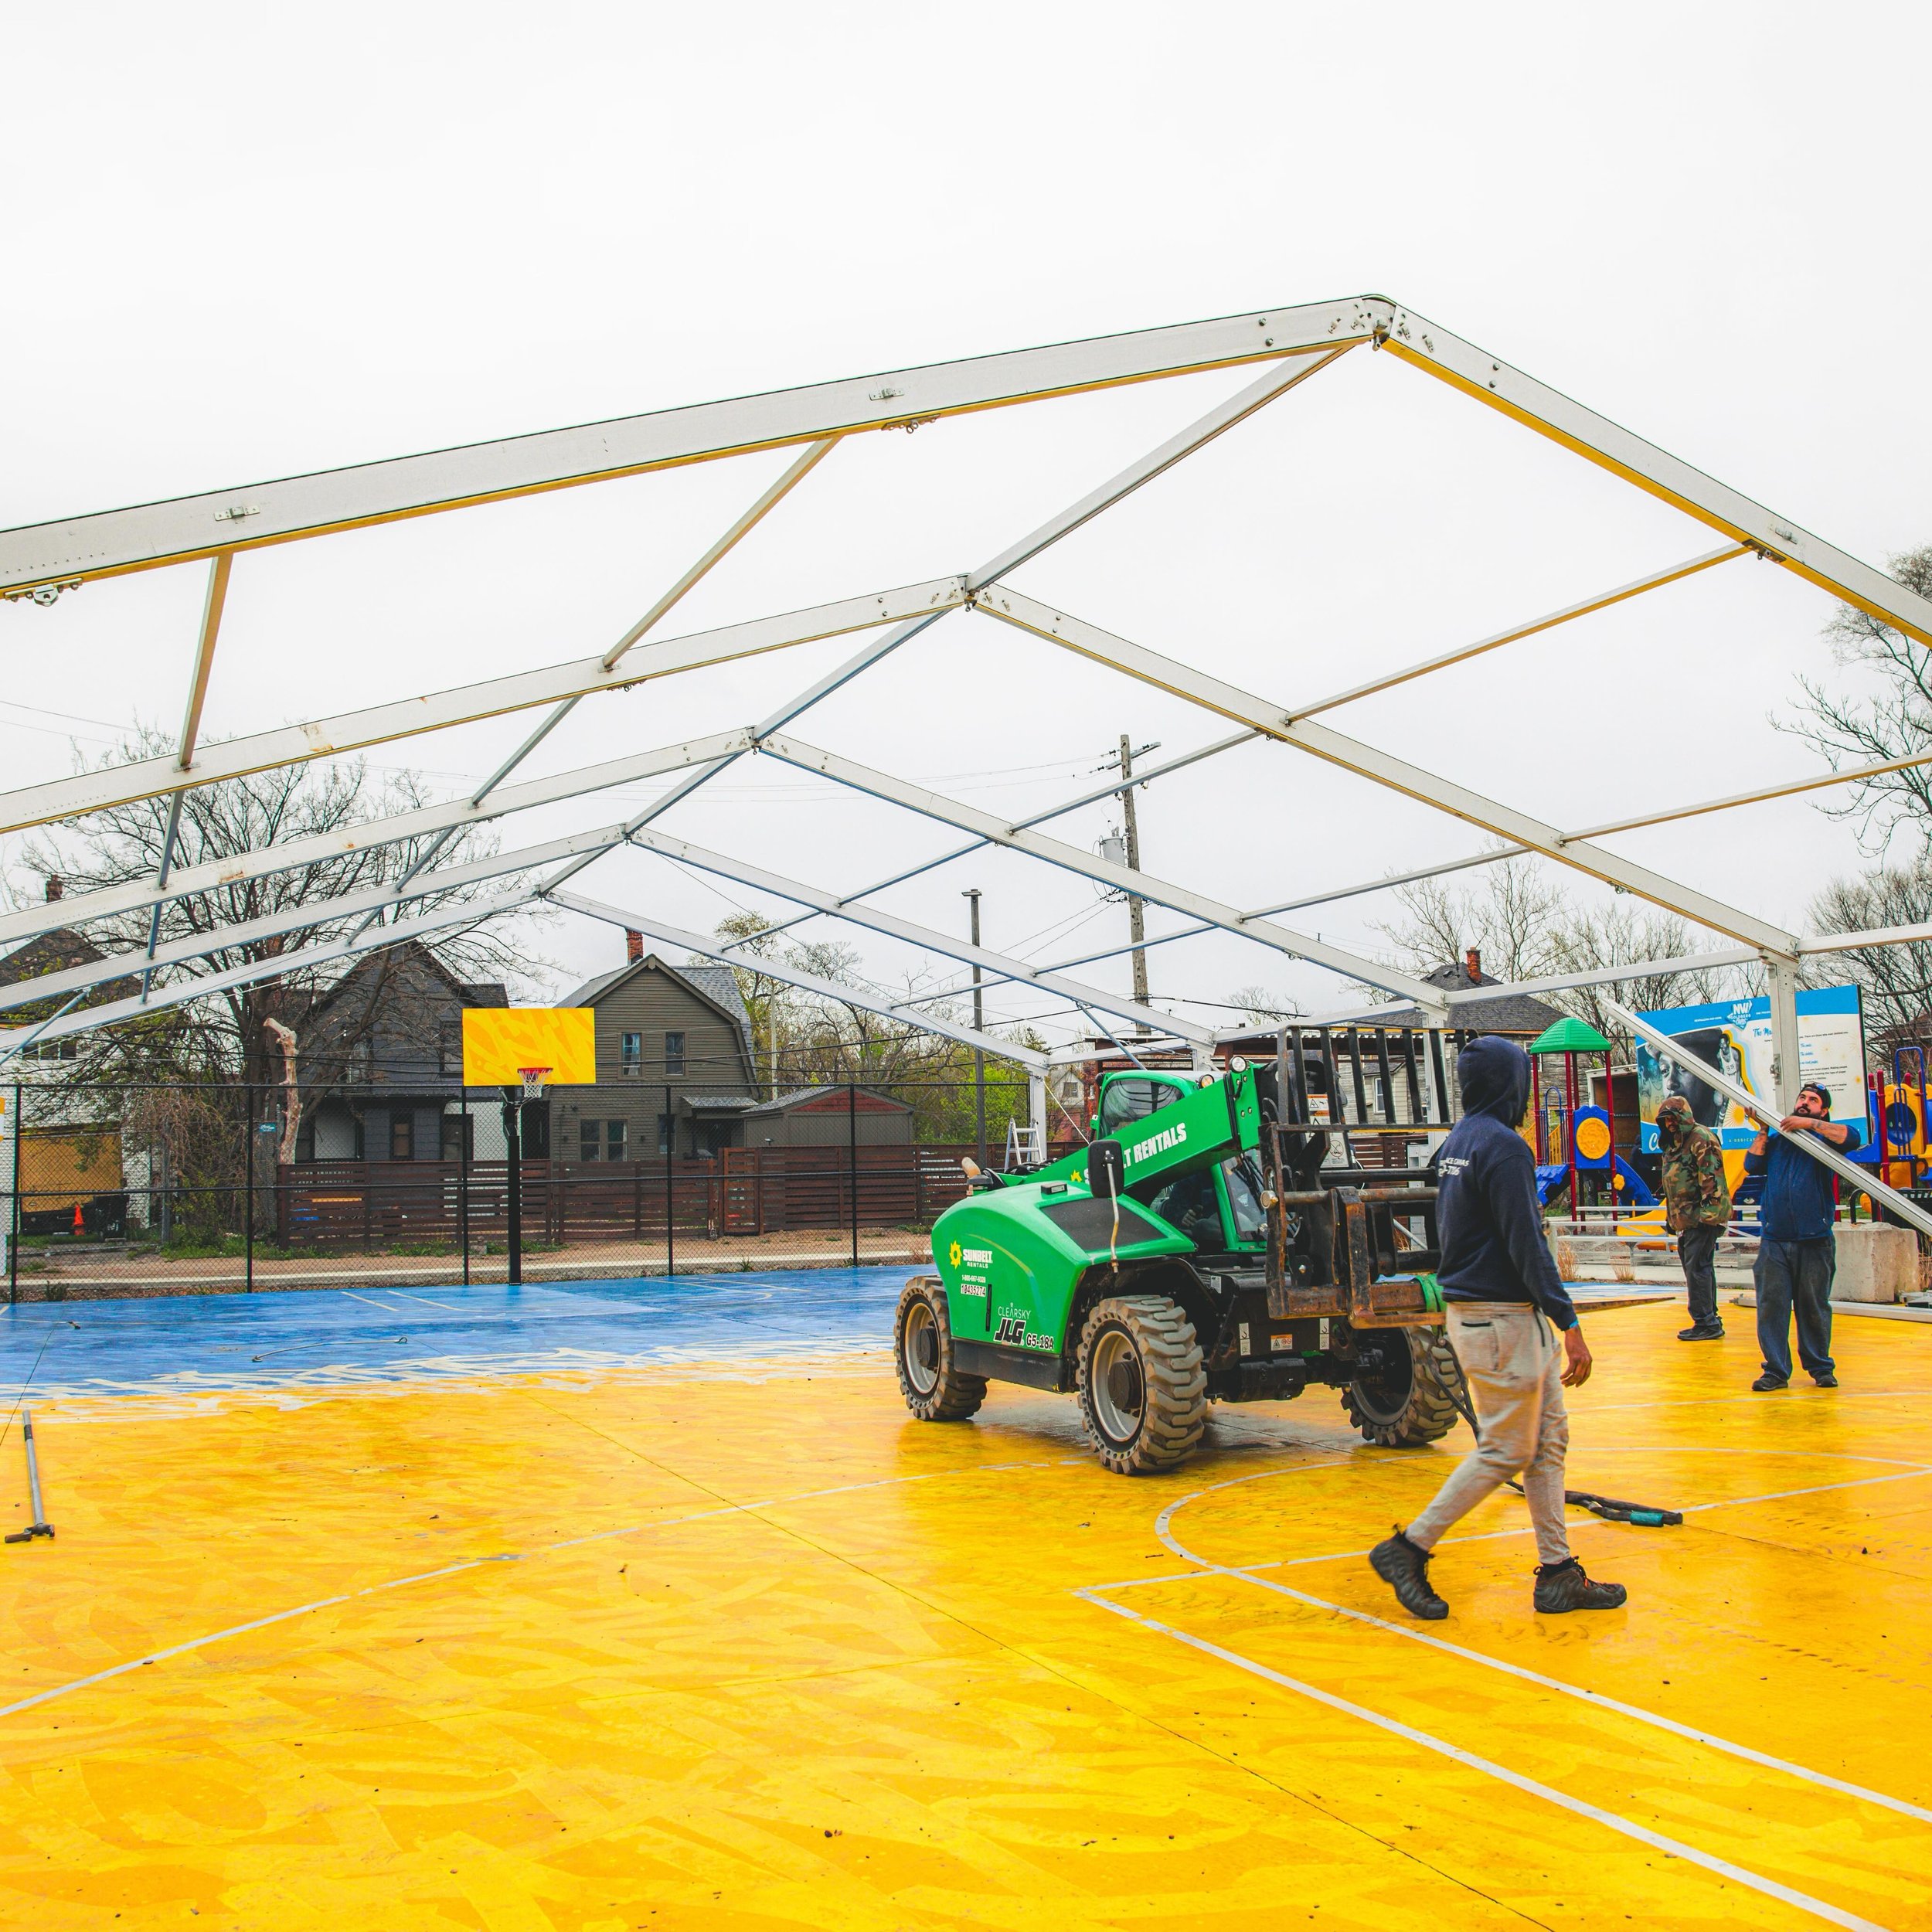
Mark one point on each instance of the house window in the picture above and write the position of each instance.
(631, 1061)
(600, 1140)
(459, 1137)
(449, 1043)
(674, 1052)
(54, 1049)
(664, 1133)
(402, 1137)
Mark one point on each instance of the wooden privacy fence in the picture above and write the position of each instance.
(743, 1191)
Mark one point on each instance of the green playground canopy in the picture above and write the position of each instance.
(1569, 1035)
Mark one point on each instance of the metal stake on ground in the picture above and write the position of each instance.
(40, 1526)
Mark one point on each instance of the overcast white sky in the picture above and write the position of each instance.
(252, 243)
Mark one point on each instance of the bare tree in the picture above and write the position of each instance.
(1511, 917)
(1528, 925)
(1584, 938)
(825, 1041)
(1896, 981)
(1894, 721)
(223, 1036)
(1260, 1007)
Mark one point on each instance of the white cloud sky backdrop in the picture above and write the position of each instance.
(272, 242)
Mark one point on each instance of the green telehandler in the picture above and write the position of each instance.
(1215, 1241)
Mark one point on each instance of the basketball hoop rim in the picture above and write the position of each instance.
(533, 1078)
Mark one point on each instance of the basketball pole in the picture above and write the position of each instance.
(513, 1196)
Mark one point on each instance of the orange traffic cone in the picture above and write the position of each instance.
(79, 1225)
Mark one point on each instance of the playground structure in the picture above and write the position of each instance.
(1900, 1110)
(1573, 1137)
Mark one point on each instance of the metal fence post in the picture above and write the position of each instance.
(13, 1246)
(463, 1182)
(851, 1152)
(670, 1207)
(248, 1186)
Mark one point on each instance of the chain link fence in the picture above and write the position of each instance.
(186, 1190)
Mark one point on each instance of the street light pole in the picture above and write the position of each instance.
(1136, 914)
(979, 1056)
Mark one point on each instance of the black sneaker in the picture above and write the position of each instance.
(1404, 1567)
(1827, 1380)
(1702, 1331)
(1767, 1385)
(1563, 1587)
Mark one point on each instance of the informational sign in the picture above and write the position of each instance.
(1735, 1036)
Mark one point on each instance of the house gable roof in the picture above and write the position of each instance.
(717, 986)
(830, 1100)
(412, 952)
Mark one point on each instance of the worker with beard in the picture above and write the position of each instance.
(1796, 1248)
(1697, 1206)
(1505, 1305)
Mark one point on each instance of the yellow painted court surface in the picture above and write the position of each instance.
(742, 1645)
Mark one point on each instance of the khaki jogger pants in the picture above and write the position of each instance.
(1513, 1364)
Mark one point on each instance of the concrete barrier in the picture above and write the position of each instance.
(1875, 1263)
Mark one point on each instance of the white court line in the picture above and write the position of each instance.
(1673, 1847)
(425, 1300)
(238, 1630)
(512, 1557)
(1584, 1521)
(1656, 1719)
(364, 1299)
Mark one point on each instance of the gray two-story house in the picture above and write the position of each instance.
(379, 1066)
(674, 1071)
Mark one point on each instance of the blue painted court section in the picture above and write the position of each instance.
(183, 1345)
(186, 1345)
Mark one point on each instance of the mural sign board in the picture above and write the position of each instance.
(1734, 1035)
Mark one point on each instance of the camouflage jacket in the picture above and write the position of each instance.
(1695, 1193)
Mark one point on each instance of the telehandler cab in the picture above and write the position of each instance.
(1214, 1242)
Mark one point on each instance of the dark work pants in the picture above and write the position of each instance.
(1795, 1276)
(1697, 1249)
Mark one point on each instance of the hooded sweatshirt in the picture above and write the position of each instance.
(1493, 1248)
(1696, 1192)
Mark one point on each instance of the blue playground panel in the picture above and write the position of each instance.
(1635, 1192)
(336, 1337)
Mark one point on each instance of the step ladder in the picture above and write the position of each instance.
(1026, 1147)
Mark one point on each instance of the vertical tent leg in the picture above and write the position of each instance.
(1781, 977)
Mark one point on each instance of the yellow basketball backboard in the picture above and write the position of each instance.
(499, 1042)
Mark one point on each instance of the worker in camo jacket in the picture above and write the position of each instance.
(1697, 1204)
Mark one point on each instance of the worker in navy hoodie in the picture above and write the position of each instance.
(1505, 1305)
(1797, 1250)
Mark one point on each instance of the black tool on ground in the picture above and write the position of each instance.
(1611, 1509)
(40, 1526)
(1645, 1516)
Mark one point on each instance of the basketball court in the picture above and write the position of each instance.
(643, 1603)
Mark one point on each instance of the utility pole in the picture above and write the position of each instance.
(979, 1055)
(1136, 914)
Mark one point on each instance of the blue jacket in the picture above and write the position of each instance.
(1493, 1248)
(1798, 1203)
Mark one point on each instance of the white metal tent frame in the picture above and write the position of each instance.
(1290, 346)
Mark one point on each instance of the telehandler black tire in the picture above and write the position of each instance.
(1141, 1384)
(1415, 1403)
(935, 1391)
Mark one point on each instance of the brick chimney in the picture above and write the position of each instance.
(1472, 959)
(633, 946)
(55, 889)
